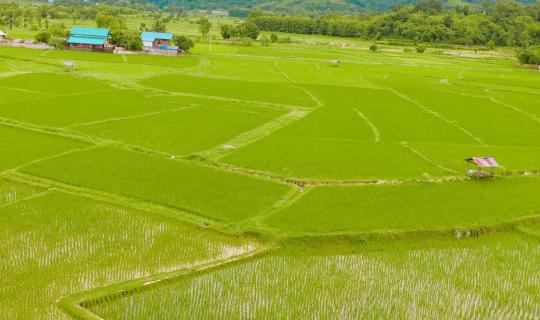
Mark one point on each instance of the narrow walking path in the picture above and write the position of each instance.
(438, 115)
(376, 133)
(254, 135)
(426, 158)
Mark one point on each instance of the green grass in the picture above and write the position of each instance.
(489, 277)
(10, 95)
(422, 206)
(21, 146)
(53, 84)
(85, 108)
(233, 89)
(320, 158)
(386, 110)
(58, 244)
(511, 158)
(12, 192)
(486, 119)
(210, 192)
(201, 125)
(239, 68)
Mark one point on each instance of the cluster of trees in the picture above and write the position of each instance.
(248, 29)
(505, 22)
(240, 8)
(204, 25)
(54, 35)
(184, 43)
(529, 56)
(129, 40)
(13, 15)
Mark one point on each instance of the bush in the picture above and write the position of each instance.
(118, 38)
(184, 43)
(56, 43)
(374, 48)
(247, 29)
(58, 30)
(491, 45)
(226, 31)
(246, 42)
(265, 41)
(43, 37)
(420, 49)
(529, 56)
(274, 37)
(134, 42)
(408, 50)
(284, 40)
(130, 41)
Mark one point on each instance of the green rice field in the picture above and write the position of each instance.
(254, 182)
(442, 279)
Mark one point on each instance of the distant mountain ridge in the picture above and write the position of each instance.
(305, 6)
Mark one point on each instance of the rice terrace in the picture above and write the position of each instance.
(318, 177)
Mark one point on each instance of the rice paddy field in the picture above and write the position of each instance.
(251, 182)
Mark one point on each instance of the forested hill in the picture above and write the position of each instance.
(287, 6)
(238, 7)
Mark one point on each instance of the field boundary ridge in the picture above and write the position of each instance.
(77, 305)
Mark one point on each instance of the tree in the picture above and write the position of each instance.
(10, 15)
(225, 30)
(118, 38)
(159, 26)
(529, 56)
(265, 41)
(113, 22)
(248, 29)
(204, 25)
(274, 37)
(184, 43)
(429, 6)
(58, 30)
(43, 37)
(56, 43)
(134, 42)
(420, 49)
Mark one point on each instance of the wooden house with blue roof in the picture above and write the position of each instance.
(88, 39)
(157, 40)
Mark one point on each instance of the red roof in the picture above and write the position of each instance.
(484, 162)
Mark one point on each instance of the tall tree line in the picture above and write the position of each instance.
(505, 22)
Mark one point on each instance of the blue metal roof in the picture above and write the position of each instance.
(90, 32)
(151, 36)
(86, 40)
(168, 47)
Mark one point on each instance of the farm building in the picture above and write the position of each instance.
(89, 39)
(157, 41)
(3, 35)
(480, 163)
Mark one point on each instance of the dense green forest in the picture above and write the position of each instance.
(505, 23)
(302, 7)
(241, 8)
